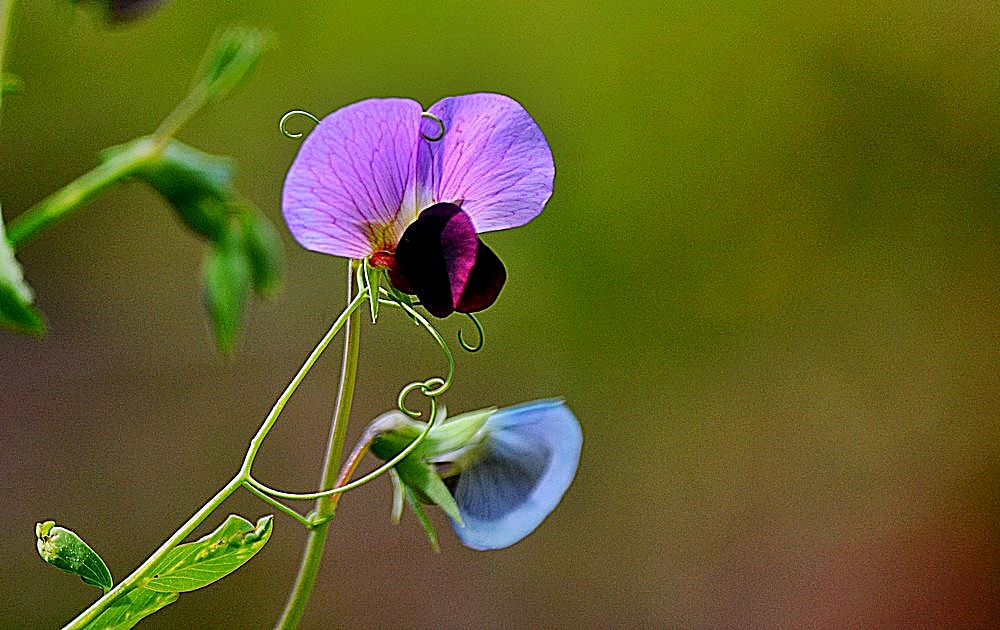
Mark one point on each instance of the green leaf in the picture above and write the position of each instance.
(198, 185)
(398, 295)
(263, 251)
(16, 297)
(64, 549)
(421, 478)
(10, 84)
(397, 496)
(425, 522)
(230, 58)
(195, 565)
(131, 608)
(455, 432)
(226, 284)
(374, 279)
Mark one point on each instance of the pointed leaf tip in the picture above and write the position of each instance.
(17, 310)
(197, 564)
(226, 278)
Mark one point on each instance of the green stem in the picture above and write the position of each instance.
(348, 317)
(181, 114)
(325, 506)
(278, 505)
(6, 9)
(79, 191)
(131, 581)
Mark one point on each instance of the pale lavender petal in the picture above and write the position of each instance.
(493, 161)
(350, 190)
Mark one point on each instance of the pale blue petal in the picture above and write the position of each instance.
(530, 457)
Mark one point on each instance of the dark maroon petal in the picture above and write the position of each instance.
(126, 10)
(436, 257)
(485, 282)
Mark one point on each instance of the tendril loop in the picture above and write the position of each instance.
(431, 388)
(479, 331)
(284, 121)
(440, 124)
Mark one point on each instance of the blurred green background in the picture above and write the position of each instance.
(767, 284)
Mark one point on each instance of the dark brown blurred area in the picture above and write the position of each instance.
(766, 284)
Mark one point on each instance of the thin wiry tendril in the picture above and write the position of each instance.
(284, 120)
(308, 496)
(440, 123)
(420, 320)
(479, 331)
(427, 388)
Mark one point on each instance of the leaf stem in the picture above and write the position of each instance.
(276, 504)
(325, 506)
(79, 191)
(131, 581)
(348, 317)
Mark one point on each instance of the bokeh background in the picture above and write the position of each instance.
(767, 284)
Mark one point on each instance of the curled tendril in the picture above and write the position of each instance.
(440, 123)
(479, 331)
(420, 320)
(284, 121)
(309, 496)
(431, 388)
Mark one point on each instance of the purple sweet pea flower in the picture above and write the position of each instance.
(379, 180)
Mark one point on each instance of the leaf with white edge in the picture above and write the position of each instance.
(397, 497)
(64, 549)
(131, 608)
(195, 565)
(16, 297)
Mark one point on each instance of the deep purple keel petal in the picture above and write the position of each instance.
(436, 256)
(351, 189)
(493, 161)
(485, 281)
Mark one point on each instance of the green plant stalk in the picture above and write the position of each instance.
(325, 506)
(79, 191)
(6, 9)
(133, 580)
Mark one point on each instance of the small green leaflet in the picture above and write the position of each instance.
(373, 278)
(263, 251)
(62, 548)
(421, 515)
(421, 479)
(226, 278)
(194, 565)
(131, 608)
(229, 60)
